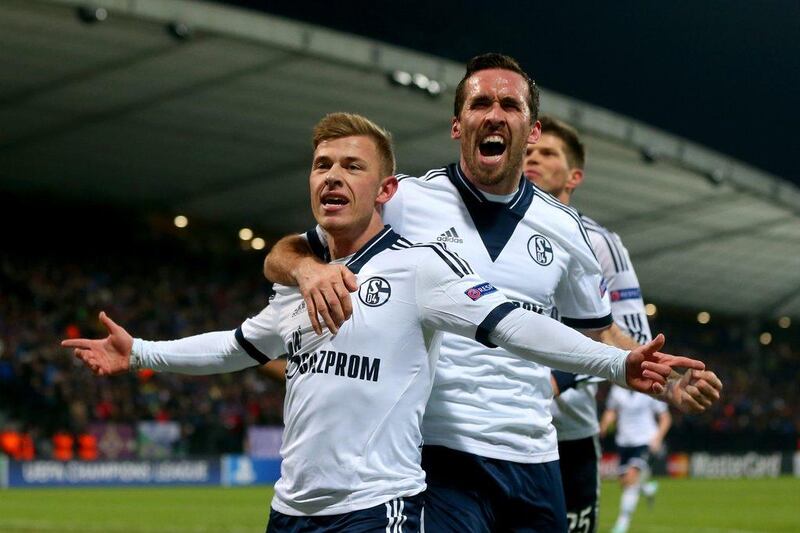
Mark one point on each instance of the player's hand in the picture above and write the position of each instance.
(326, 290)
(647, 369)
(694, 391)
(105, 357)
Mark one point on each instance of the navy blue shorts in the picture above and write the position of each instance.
(396, 516)
(579, 472)
(472, 494)
(633, 457)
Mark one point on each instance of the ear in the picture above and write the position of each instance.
(387, 189)
(536, 133)
(575, 179)
(455, 129)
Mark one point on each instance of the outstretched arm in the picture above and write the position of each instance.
(451, 298)
(544, 340)
(209, 353)
(325, 288)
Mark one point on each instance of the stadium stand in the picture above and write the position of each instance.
(47, 295)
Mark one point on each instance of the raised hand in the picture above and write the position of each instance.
(105, 357)
(326, 290)
(647, 369)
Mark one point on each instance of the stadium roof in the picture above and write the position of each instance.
(212, 119)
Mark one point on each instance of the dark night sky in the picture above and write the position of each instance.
(724, 73)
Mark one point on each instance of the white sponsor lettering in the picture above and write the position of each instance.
(42, 472)
(184, 471)
(74, 472)
(704, 465)
(124, 472)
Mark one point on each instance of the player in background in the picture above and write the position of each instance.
(638, 438)
(491, 456)
(355, 401)
(555, 164)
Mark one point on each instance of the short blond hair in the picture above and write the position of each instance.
(338, 125)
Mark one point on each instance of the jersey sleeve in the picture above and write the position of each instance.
(627, 305)
(581, 296)
(259, 336)
(255, 342)
(451, 297)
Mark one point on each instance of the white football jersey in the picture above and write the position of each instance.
(575, 411)
(636, 416)
(536, 251)
(624, 292)
(354, 401)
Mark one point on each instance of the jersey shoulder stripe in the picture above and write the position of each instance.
(548, 199)
(429, 175)
(452, 255)
(460, 267)
(617, 255)
(612, 242)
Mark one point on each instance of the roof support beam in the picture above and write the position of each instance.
(91, 119)
(670, 211)
(28, 93)
(763, 226)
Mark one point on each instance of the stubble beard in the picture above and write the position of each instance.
(508, 173)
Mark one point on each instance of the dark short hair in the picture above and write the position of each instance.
(575, 151)
(494, 60)
(338, 125)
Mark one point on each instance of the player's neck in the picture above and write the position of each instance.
(564, 197)
(347, 241)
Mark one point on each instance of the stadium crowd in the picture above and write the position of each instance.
(45, 392)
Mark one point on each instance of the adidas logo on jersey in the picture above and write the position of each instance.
(450, 235)
(299, 309)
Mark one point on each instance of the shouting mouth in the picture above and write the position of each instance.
(492, 146)
(332, 201)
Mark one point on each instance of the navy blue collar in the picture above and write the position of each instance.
(385, 238)
(494, 221)
(470, 193)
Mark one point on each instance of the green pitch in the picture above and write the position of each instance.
(698, 506)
